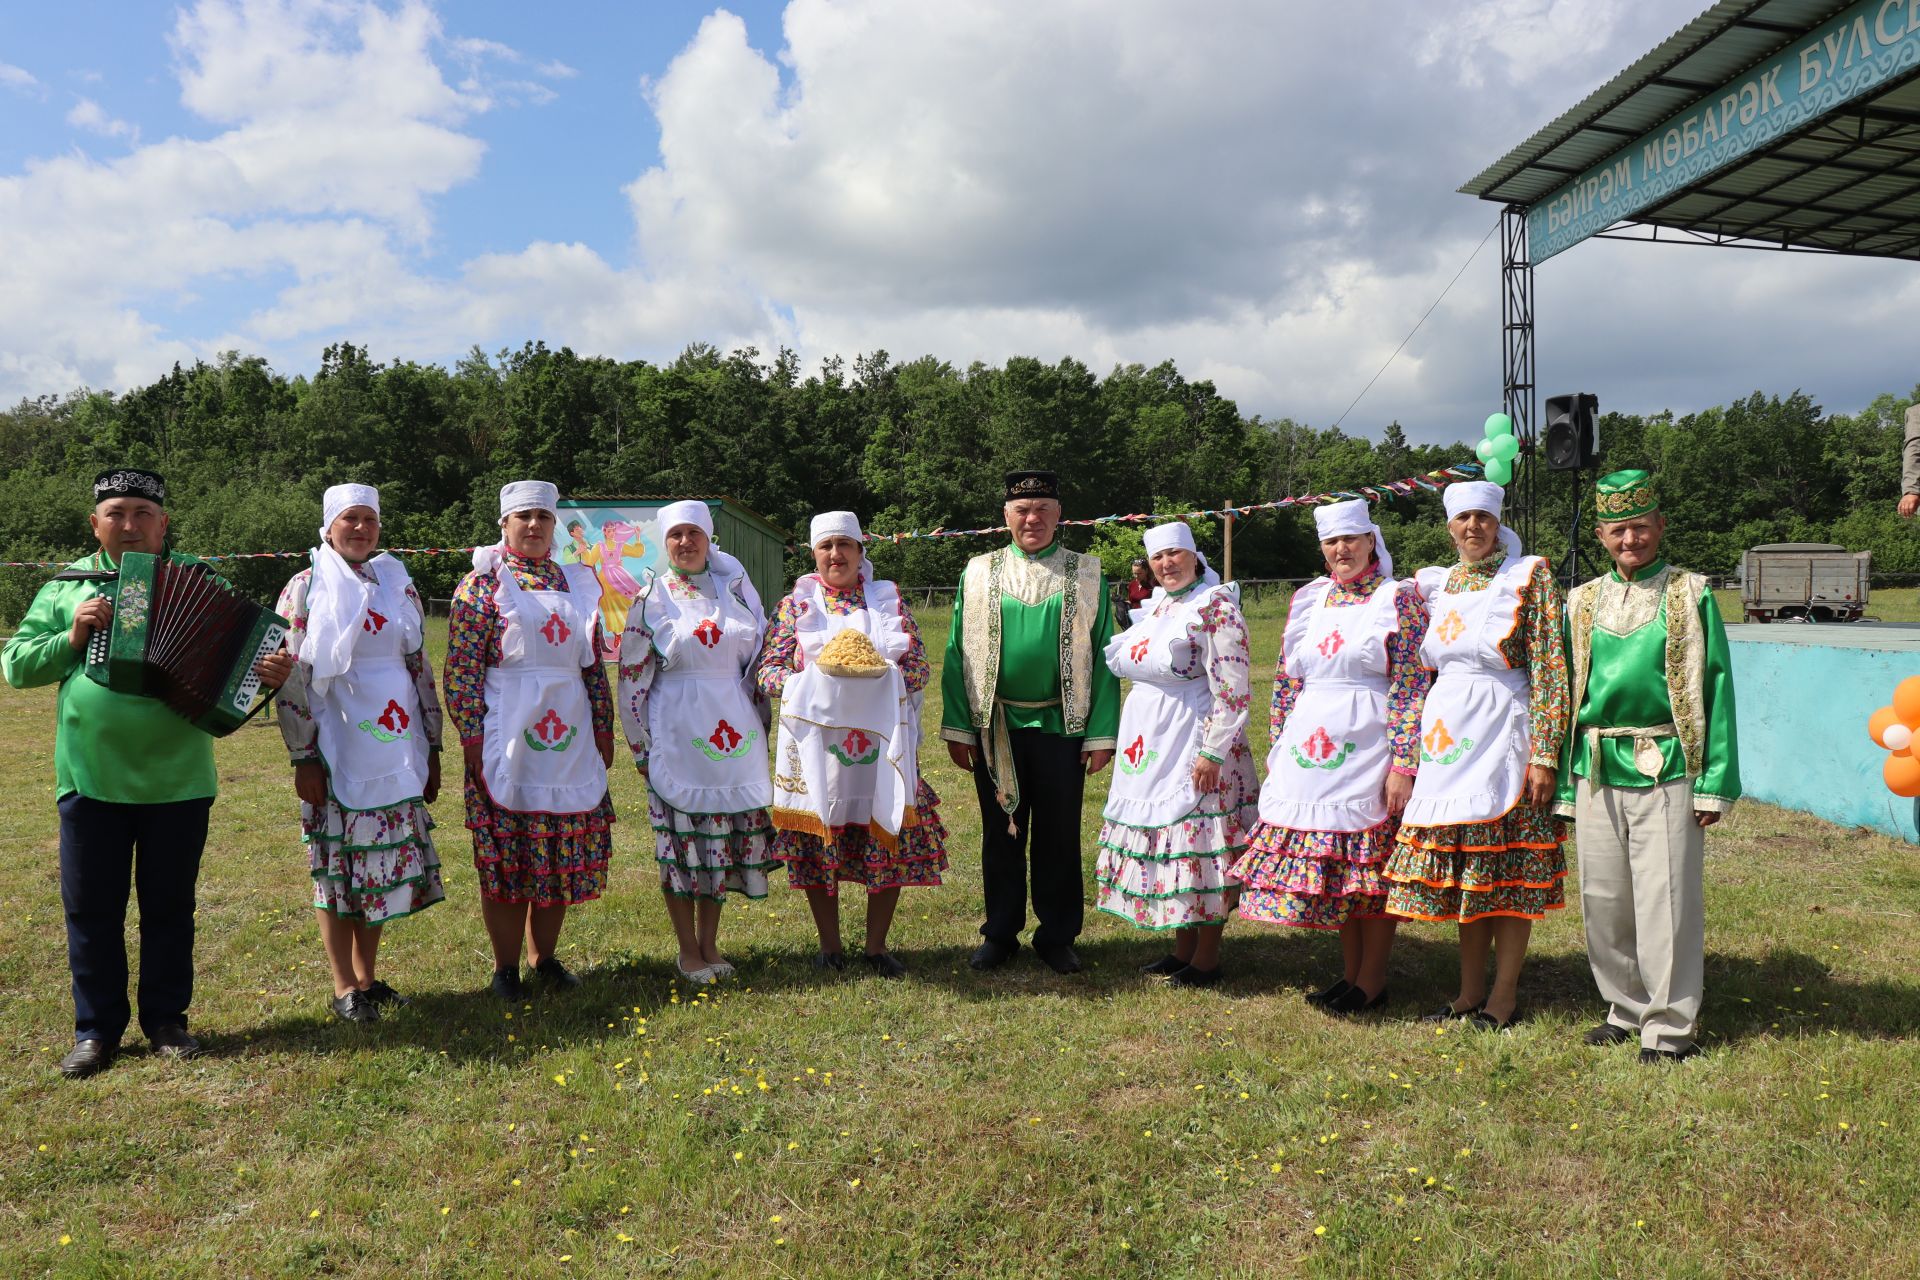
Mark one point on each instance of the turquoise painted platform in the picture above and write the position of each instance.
(1804, 692)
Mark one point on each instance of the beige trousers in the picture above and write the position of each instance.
(1641, 890)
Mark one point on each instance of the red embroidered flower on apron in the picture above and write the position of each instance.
(374, 621)
(1332, 643)
(555, 629)
(550, 733)
(708, 634)
(394, 718)
(724, 736)
(1139, 650)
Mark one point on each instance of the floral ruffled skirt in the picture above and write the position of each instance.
(1174, 877)
(547, 859)
(708, 855)
(856, 857)
(1511, 866)
(371, 865)
(1315, 879)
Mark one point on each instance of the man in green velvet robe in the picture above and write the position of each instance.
(1650, 764)
(1030, 709)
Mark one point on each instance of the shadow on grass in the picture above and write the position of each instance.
(1783, 992)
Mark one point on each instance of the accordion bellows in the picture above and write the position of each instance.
(851, 654)
(181, 635)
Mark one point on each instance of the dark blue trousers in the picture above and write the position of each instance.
(106, 850)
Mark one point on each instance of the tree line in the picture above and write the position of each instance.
(917, 444)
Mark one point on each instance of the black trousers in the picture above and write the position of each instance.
(1052, 780)
(106, 849)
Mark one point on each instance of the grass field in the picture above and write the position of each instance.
(1018, 1124)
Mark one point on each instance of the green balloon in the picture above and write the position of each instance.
(1506, 448)
(1484, 450)
(1498, 424)
(1499, 471)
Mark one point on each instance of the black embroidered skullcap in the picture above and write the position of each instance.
(129, 482)
(1032, 484)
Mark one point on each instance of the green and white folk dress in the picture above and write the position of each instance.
(1165, 851)
(370, 846)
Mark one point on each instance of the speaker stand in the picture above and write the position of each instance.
(1580, 563)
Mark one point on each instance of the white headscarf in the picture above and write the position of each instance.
(1342, 519)
(520, 495)
(687, 511)
(337, 597)
(1175, 535)
(1482, 495)
(841, 524)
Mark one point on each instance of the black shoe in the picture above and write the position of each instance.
(1670, 1055)
(1447, 1013)
(507, 985)
(87, 1058)
(172, 1041)
(1164, 967)
(1192, 977)
(382, 994)
(1063, 960)
(1606, 1034)
(834, 960)
(1325, 997)
(356, 1006)
(885, 964)
(1484, 1021)
(556, 976)
(991, 955)
(1354, 1000)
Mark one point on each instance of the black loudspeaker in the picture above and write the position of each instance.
(1572, 436)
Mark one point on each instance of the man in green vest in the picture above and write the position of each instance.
(1651, 763)
(135, 783)
(1030, 709)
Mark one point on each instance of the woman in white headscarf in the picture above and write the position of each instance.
(1182, 801)
(1479, 844)
(1345, 720)
(850, 803)
(697, 726)
(530, 702)
(361, 722)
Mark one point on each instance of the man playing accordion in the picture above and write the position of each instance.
(135, 783)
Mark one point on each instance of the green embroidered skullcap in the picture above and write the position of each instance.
(1624, 495)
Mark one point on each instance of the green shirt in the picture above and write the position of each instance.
(1627, 688)
(119, 747)
(1030, 667)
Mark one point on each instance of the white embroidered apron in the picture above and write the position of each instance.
(1474, 735)
(375, 751)
(709, 753)
(538, 753)
(1160, 722)
(1327, 771)
(848, 748)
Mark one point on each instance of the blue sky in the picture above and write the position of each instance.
(1265, 196)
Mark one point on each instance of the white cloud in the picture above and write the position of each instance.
(91, 116)
(20, 80)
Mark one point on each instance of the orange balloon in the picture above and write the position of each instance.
(1879, 722)
(1906, 701)
(1902, 774)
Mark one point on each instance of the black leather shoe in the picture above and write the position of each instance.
(1192, 977)
(382, 994)
(555, 975)
(1605, 1034)
(1165, 967)
(991, 955)
(1063, 960)
(1354, 1000)
(1327, 996)
(172, 1041)
(355, 1006)
(506, 984)
(885, 964)
(1670, 1055)
(834, 960)
(87, 1058)
(1485, 1021)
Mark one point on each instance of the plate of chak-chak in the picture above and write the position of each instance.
(851, 654)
